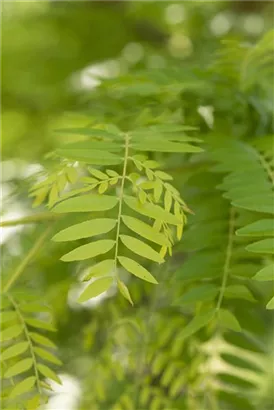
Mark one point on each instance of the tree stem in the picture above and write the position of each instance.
(39, 217)
(36, 247)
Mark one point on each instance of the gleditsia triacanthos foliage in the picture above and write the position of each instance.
(28, 355)
(210, 355)
(146, 212)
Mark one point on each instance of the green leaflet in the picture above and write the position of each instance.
(145, 230)
(89, 251)
(265, 274)
(87, 203)
(108, 146)
(34, 307)
(196, 324)
(94, 157)
(90, 132)
(85, 230)
(124, 291)
(11, 332)
(151, 210)
(163, 146)
(227, 319)
(14, 350)
(42, 340)
(98, 174)
(95, 288)
(238, 292)
(18, 368)
(8, 316)
(47, 372)
(163, 175)
(136, 269)
(202, 293)
(100, 269)
(141, 248)
(270, 304)
(256, 203)
(44, 354)
(40, 324)
(263, 246)
(264, 227)
(23, 387)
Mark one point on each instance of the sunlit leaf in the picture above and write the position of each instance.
(85, 229)
(89, 251)
(141, 248)
(95, 288)
(136, 269)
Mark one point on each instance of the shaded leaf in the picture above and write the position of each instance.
(227, 319)
(263, 246)
(40, 324)
(264, 227)
(238, 292)
(196, 324)
(265, 274)
(200, 293)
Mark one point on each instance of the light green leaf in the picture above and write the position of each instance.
(89, 145)
(163, 175)
(90, 132)
(93, 157)
(264, 227)
(53, 195)
(100, 269)
(72, 175)
(145, 230)
(45, 371)
(227, 319)
(164, 146)
(263, 246)
(40, 324)
(124, 291)
(151, 210)
(42, 340)
(270, 304)
(141, 248)
(136, 269)
(34, 307)
(200, 293)
(168, 200)
(95, 288)
(61, 182)
(265, 274)
(11, 332)
(238, 292)
(18, 368)
(158, 189)
(44, 354)
(112, 173)
(98, 174)
(151, 164)
(8, 316)
(87, 203)
(14, 350)
(103, 187)
(23, 387)
(196, 324)
(89, 251)
(85, 229)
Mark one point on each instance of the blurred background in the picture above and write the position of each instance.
(54, 56)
